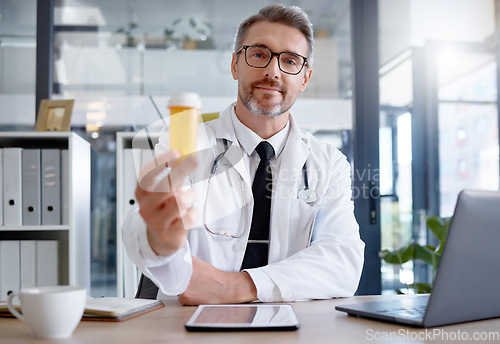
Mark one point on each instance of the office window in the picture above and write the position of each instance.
(17, 63)
(468, 124)
(459, 95)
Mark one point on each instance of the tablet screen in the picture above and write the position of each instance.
(243, 317)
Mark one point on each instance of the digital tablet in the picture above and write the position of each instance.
(245, 317)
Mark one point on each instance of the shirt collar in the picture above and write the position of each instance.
(249, 139)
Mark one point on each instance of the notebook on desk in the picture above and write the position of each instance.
(106, 308)
(466, 286)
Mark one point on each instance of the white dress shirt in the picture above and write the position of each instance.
(249, 140)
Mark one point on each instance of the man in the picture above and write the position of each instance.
(311, 247)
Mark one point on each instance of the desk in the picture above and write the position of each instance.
(320, 323)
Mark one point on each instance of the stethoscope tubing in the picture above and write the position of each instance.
(307, 195)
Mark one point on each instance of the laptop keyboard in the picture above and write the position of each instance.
(416, 312)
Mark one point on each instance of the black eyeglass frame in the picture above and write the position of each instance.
(271, 58)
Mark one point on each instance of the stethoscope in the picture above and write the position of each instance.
(305, 194)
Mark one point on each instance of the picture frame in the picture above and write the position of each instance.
(54, 115)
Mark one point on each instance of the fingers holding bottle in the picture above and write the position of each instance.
(165, 205)
(168, 224)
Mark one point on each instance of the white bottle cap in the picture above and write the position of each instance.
(187, 99)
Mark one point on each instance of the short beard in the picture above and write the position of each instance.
(252, 104)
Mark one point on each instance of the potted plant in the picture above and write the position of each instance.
(413, 251)
(189, 31)
(128, 32)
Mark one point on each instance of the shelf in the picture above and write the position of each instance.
(34, 228)
(72, 239)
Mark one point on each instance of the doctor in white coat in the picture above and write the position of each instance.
(191, 241)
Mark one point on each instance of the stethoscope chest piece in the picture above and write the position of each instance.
(308, 195)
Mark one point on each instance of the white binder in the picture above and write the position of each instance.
(129, 178)
(131, 166)
(31, 187)
(65, 186)
(47, 263)
(28, 264)
(10, 278)
(12, 186)
(51, 186)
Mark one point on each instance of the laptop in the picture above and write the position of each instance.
(466, 286)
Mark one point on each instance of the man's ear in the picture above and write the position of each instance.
(307, 77)
(234, 66)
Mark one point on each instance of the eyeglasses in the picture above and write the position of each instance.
(260, 57)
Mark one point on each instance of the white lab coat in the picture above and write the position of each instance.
(315, 250)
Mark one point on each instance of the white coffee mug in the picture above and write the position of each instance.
(51, 312)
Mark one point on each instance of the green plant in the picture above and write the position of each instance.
(190, 29)
(428, 253)
(129, 33)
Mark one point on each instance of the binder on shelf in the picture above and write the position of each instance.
(10, 278)
(28, 264)
(129, 178)
(12, 186)
(62, 252)
(31, 183)
(65, 186)
(1, 187)
(51, 186)
(131, 166)
(47, 263)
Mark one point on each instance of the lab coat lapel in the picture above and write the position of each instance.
(234, 155)
(225, 130)
(295, 154)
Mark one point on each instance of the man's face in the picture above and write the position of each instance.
(269, 91)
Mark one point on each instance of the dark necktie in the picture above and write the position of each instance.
(257, 251)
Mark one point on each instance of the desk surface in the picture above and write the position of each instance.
(320, 323)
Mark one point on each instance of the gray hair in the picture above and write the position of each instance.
(291, 16)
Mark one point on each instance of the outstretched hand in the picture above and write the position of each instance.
(164, 205)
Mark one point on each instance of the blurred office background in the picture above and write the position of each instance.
(436, 95)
